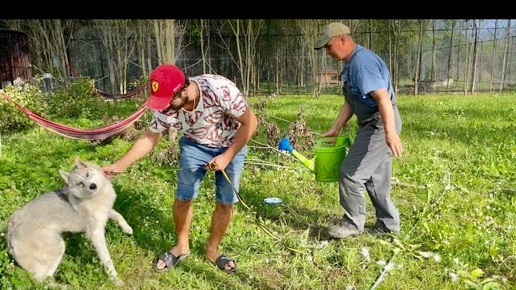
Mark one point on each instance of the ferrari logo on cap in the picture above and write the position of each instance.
(155, 86)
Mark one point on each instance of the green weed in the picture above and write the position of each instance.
(455, 187)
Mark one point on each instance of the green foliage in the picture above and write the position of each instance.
(11, 118)
(77, 101)
(454, 186)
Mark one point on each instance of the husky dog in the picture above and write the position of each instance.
(83, 204)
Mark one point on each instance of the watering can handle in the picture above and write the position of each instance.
(326, 141)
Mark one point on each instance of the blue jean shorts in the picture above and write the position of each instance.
(192, 159)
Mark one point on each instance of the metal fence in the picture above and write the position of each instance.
(465, 58)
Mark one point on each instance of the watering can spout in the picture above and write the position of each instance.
(309, 163)
(284, 145)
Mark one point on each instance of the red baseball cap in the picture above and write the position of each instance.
(165, 81)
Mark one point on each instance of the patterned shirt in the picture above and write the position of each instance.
(212, 122)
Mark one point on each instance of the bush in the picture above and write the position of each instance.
(79, 100)
(11, 118)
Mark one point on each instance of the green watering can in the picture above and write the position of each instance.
(329, 154)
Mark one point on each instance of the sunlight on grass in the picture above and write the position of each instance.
(455, 188)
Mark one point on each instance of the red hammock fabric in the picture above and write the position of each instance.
(83, 134)
(109, 95)
(74, 72)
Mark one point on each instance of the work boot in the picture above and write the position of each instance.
(378, 229)
(343, 230)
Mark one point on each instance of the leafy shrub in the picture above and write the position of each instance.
(79, 100)
(11, 118)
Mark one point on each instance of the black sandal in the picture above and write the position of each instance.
(223, 261)
(170, 261)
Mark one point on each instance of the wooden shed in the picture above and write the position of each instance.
(14, 58)
(328, 77)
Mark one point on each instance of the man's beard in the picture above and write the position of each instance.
(178, 103)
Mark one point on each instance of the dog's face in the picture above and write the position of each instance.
(85, 179)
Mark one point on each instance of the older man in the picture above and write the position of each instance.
(367, 167)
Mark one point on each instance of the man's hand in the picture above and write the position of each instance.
(330, 133)
(219, 163)
(111, 170)
(394, 142)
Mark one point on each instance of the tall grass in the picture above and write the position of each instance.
(455, 188)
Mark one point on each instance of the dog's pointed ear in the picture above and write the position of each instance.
(79, 163)
(65, 175)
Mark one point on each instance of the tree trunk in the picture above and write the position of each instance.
(116, 36)
(494, 54)
(459, 55)
(417, 70)
(468, 62)
(49, 41)
(450, 51)
(204, 42)
(397, 28)
(311, 29)
(432, 68)
(505, 55)
(474, 55)
(165, 35)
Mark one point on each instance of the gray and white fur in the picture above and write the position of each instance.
(83, 204)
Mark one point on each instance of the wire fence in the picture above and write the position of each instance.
(474, 55)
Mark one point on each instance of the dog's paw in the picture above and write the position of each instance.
(117, 281)
(128, 230)
(55, 285)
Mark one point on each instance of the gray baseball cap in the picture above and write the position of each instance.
(329, 31)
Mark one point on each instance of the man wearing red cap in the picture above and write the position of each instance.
(216, 122)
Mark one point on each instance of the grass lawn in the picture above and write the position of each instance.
(455, 188)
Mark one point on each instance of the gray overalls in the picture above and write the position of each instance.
(368, 166)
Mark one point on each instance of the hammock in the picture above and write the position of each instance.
(82, 134)
(109, 95)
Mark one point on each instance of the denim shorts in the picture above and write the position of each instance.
(192, 159)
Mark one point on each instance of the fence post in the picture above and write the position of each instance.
(47, 83)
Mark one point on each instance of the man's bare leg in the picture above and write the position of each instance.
(183, 213)
(220, 221)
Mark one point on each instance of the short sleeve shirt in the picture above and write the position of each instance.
(212, 122)
(367, 72)
(363, 73)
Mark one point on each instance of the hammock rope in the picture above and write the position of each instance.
(77, 133)
(119, 96)
(109, 95)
